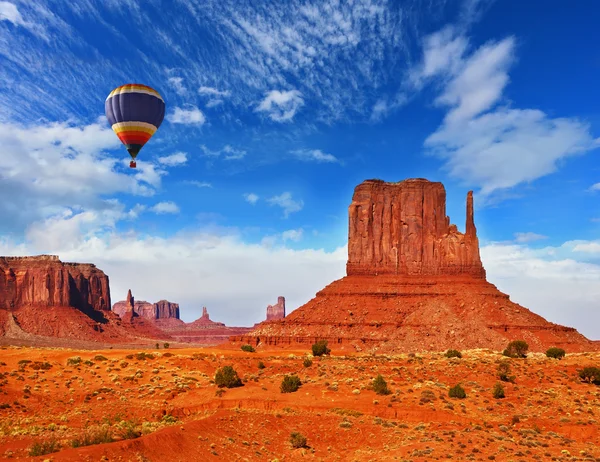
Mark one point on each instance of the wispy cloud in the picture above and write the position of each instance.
(314, 155)
(595, 187)
(199, 184)
(213, 95)
(292, 235)
(227, 152)
(178, 158)
(177, 84)
(287, 203)
(251, 198)
(528, 237)
(192, 116)
(484, 144)
(281, 106)
(165, 207)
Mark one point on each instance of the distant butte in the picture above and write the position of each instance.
(414, 283)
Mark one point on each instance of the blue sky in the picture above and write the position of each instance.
(275, 111)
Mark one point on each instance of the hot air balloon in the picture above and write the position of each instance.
(135, 112)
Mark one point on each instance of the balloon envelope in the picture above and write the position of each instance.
(134, 112)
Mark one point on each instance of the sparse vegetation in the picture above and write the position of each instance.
(590, 374)
(166, 345)
(380, 386)
(74, 361)
(129, 429)
(457, 392)
(516, 349)
(100, 358)
(227, 377)
(290, 384)
(261, 365)
(453, 354)
(142, 356)
(504, 371)
(248, 348)
(320, 348)
(557, 353)
(40, 448)
(93, 435)
(498, 391)
(307, 362)
(297, 440)
(157, 345)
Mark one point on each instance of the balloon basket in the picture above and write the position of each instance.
(132, 164)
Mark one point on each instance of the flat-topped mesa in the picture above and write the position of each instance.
(276, 311)
(402, 228)
(44, 280)
(162, 309)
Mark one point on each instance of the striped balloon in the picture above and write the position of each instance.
(135, 112)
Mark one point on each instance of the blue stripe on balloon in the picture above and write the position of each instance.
(135, 107)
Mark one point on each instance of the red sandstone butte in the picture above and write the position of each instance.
(276, 311)
(160, 310)
(414, 283)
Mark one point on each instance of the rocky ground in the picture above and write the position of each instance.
(163, 405)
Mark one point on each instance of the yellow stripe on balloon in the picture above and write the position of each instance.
(134, 126)
(135, 89)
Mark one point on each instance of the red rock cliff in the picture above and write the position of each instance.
(276, 311)
(162, 309)
(402, 228)
(46, 281)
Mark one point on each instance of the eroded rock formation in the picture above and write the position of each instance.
(276, 311)
(413, 283)
(162, 309)
(46, 281)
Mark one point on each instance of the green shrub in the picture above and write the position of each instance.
(261, 365)
(297, 440)
(24, 361)
(307, 362)
(516, 349)
(453, 354)
(46, 447)
(248, 348)
(93, 436)
(320, 348)
(227, 377)
(36, 366)
(590, 374)
(143, 356)
(503, 371)
(557, 353)
(157, 345)
(167, 355)
(380, 386)
(100, 358)
(166, 345)
(128, 430)
(290, 384)
(498, 391)
(74, 361)
(457, 392)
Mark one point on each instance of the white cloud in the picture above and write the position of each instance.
(228, 152)
(587, 247)
(199, 184)
(528, 237)
(251, 198)
(561, 289)
(287, 203)
(492, 147)
(215, 96)
(192, 116)
(314, 155)
(178, 158)
(177, 84)
(292, 235)
(9, 12)
(281, 106)
(165, 207)
(595, 187)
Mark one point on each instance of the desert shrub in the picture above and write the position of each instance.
(74, 361)
(168, 419)
(4, 406)
(307, 362)
(129, 357)
(453, 354)
(261, 365)
(290, 384)
(36, 366)
(100, 358)
(380, 386)
(457, 392)
(297, 440)
(557, 353)
(590, 374)
(167, 355)
(128, 430)
(427, 396)
(40, 448)
(248, 348)
(227, 377)
(503, 371)
(498, 391)
(320, 348)
(143, 356)
(516, 349)
(24, 361)
(515, 419)
(157, 345)
(92, 436)
(166, 345)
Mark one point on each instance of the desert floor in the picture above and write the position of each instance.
(172, 401)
